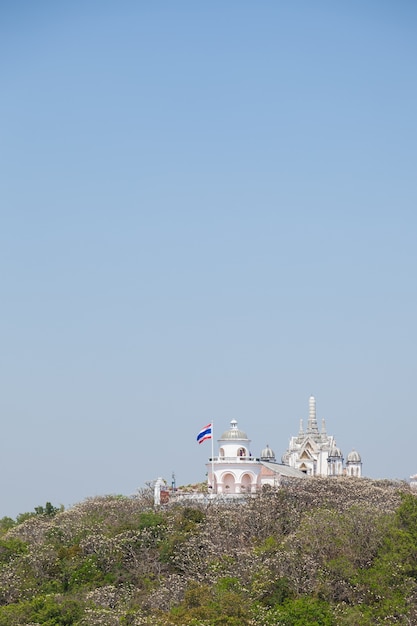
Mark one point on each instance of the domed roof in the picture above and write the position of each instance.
(336, 452)
(354, 457)
(267, 454)
(285, 459)
(234, 432)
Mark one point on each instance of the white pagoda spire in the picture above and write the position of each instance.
(312, 427)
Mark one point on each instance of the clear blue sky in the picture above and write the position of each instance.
(208, 212)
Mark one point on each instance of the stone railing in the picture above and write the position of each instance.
(234, 459)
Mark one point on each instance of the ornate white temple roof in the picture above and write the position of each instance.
(316, 452)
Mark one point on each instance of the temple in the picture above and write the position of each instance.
(315, 453)
(311, 453)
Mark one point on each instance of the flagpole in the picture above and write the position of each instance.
(212, 457)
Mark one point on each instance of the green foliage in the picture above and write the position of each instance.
(268, 546)
(86, 574)
(6, 523)
(184, 522)
(406, 515)
(55, 611)
(49, 510)
(191, 516)
(23, 517)
(300, 612)
(222, 605)
(15, 614)
(391, 579)
(150, 519)
(46, 610)
(11, 548)
(317, 553)
(278, 593)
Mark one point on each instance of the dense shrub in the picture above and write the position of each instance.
(325, 552)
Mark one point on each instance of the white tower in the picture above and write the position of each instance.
(335, 462)
(354, 464)
(235, 469)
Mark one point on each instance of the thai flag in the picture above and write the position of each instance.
(205, 433)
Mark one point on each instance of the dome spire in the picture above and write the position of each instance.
(312, 427)
(234, 432)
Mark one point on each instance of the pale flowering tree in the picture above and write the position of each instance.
(125, 562)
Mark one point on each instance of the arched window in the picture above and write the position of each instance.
(246, 483)
(228, 481)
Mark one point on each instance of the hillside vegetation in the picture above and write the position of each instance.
(316, 552)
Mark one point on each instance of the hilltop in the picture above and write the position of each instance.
(321, 551)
